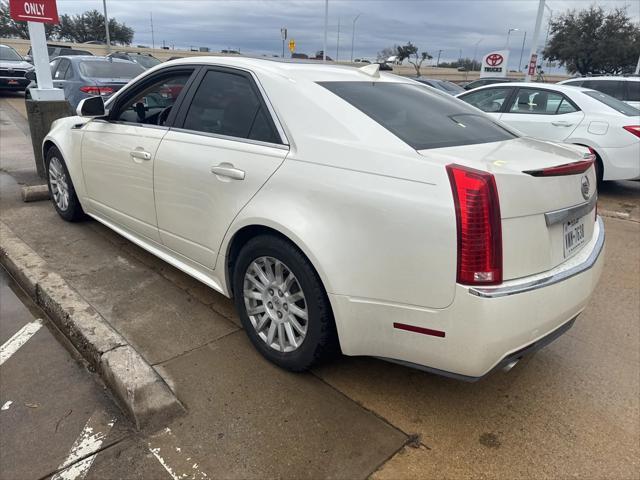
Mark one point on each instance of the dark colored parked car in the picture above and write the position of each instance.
(82, 77)
(56, 51)
(145, 60)
(13, 69)
(488, 81)
(442, 85)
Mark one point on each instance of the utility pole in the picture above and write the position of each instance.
(638, 66)
(353, 34)
(338, 44)
(153, 40)
(522, 51)
(438, 61)
(326, 26)
(536, 37)
(106, 26)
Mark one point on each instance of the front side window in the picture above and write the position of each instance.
(421, 118)
(226, 104)
(488, 100)
(153, 105)
(542, 102)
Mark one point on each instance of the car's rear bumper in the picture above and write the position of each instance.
(13, 83)
(483, 328)
(621, 163)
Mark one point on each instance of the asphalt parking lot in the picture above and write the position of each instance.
(572, 410)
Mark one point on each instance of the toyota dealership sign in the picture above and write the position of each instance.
(494, 64)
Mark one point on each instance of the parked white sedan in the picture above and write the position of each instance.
(341, 208)
(562, 113)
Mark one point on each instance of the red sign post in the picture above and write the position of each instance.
(532, 64)
(42, 11)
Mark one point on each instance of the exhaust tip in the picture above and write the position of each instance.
(510, 365)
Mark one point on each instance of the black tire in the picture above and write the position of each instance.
(73, 211)
(320, 342)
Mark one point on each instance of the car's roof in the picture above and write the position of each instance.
(603, 78)
(92, 58)
(547, 86)
(308, 69)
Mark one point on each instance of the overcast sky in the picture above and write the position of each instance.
(253, 26)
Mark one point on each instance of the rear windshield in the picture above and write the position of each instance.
(68, 51)
(451, 87)
(147, 62)
(107, 69)
(617, 105)
(420, 117)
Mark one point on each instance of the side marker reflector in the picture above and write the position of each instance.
(413, 328)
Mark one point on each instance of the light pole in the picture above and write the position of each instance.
(353, 34)
(536, 35)
(475, 54)
(326, 26)
(106, 25)
(438, 61)
(338, 44)
(522, 51)
(509, 34)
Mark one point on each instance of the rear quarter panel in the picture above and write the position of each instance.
(368, 236)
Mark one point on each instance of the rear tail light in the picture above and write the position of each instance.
(93, 90)
(566, 169)
(635, 129)
(478, 225)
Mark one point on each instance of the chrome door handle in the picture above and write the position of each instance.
(140, 155)
(561, 124)
(228, 170)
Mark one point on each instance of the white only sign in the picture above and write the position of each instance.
(494, 64)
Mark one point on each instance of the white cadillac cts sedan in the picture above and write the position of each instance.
(341, 208)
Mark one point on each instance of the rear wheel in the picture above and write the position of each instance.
(63, 194)
(282, 304)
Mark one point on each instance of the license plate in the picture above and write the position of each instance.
(12, 82)
(573, 236)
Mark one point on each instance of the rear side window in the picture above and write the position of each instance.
(421, 118)
(543, 102)
(617, 105)
(226, 104)
(633, 91)
(613, 88)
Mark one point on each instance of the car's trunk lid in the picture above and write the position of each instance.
(545, 219)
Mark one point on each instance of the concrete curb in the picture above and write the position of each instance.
(136, 385)
(35, 193)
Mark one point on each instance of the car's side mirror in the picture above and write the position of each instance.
(30, 75)
(91, 107)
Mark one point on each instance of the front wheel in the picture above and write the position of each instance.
(63, 194)
(282, 304)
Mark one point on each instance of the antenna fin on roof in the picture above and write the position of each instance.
(373, 70)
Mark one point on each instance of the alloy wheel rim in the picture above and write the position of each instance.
(275, 304)
(59, 184)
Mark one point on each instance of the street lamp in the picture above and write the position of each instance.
(438, 61)
(522, 51)
(326, 27)
(353, 34)
(106, 25)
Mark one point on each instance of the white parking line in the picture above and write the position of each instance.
(90, 440)
(178, 464)
(23, 335)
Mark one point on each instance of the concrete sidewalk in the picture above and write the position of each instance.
(245, 417)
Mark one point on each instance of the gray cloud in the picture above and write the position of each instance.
(253, 26)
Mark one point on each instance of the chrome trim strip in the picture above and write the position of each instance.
(571, 213)
(548, 280)
(279, 146)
